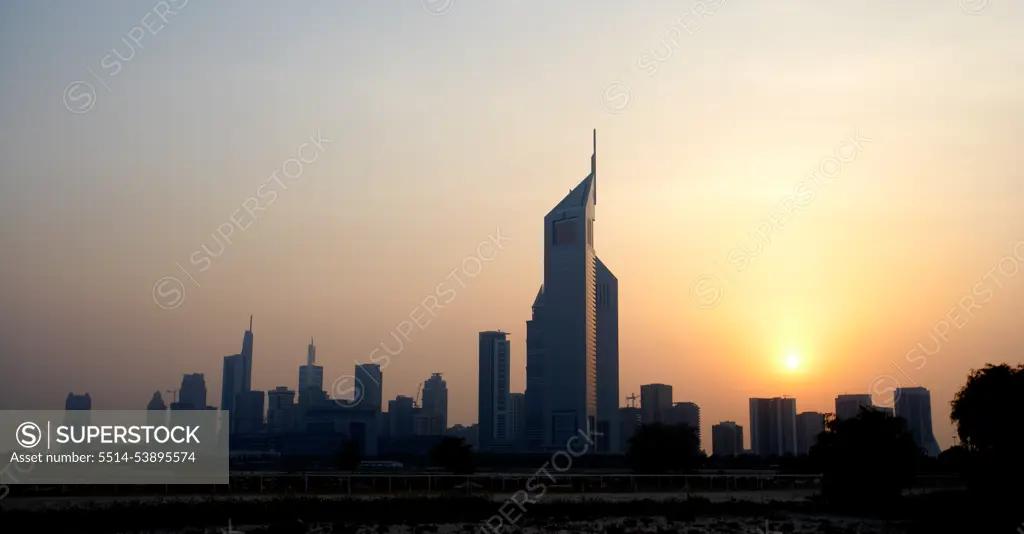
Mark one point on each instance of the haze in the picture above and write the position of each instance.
(443, 129)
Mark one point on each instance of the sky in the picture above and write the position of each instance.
(133, 132)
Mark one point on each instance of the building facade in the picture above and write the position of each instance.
(281, 416)
(915, 406)
(655, 403)
(773, 426)
(808, 426)
(727, 439)
(494, 410)
(435, 405)
(848, 406)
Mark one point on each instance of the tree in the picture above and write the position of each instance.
(988, 412)
(865, 460)
(662, 448)
(349, 455)
(453, 454)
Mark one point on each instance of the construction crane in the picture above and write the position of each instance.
(631, 400)
(416, 400)
(174, 394)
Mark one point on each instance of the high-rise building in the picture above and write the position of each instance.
(915, 406)
(808, 426)
(237, 374)
(562, 347)
(247, 418)
(607, 359)
(773, 426)
(685, 413)
(536, 394)
(435, 405)
(280, 410)
(493, 407)
(655, 403)
(848, 406)
(401, 417)
(369, 386)
(727, 439)
(517, 401)
(629, 423)
(193, 391)
(311, 378)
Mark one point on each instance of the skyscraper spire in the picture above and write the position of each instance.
(593, 167)
(250, 323)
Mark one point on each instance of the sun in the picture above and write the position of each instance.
(793, 360)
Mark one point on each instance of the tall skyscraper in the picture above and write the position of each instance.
(370, 386)
(563, 330)
(311, 378)
(435, 405)
(607, 359)
(536, 394)
(915, 406)
(808, 426)
(280, 410)
(848, 406)
(237, 374)
(493, 406)
(193, 391)
(727, 439)
(773, 426)
(517, 401)
(655, 403)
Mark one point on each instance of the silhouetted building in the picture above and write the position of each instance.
(248, 415)
(808, 426)
(370, 386)
(435, 405)
(536, 394)
(280, 410)
(401, 416)
(518, 405)
(563, 336)
(655, 403)
(237, 374)
(685, 413)
(157, 410)
(915, 406)
(193, 391)
(493, 407)
(329, 425)
(469, 433)
(890, 412)
(311, 379)
(630, 421)
(78, 402)
(727, 439)
(848, 406)
(773, 426)
(607, 358)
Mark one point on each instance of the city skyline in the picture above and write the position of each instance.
(425, 136)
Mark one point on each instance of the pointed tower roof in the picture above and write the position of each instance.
(585, 191)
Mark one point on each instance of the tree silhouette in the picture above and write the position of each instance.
(662, 448)
(865, 460)
(989, 415)
(453, 454)
(349, 455)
